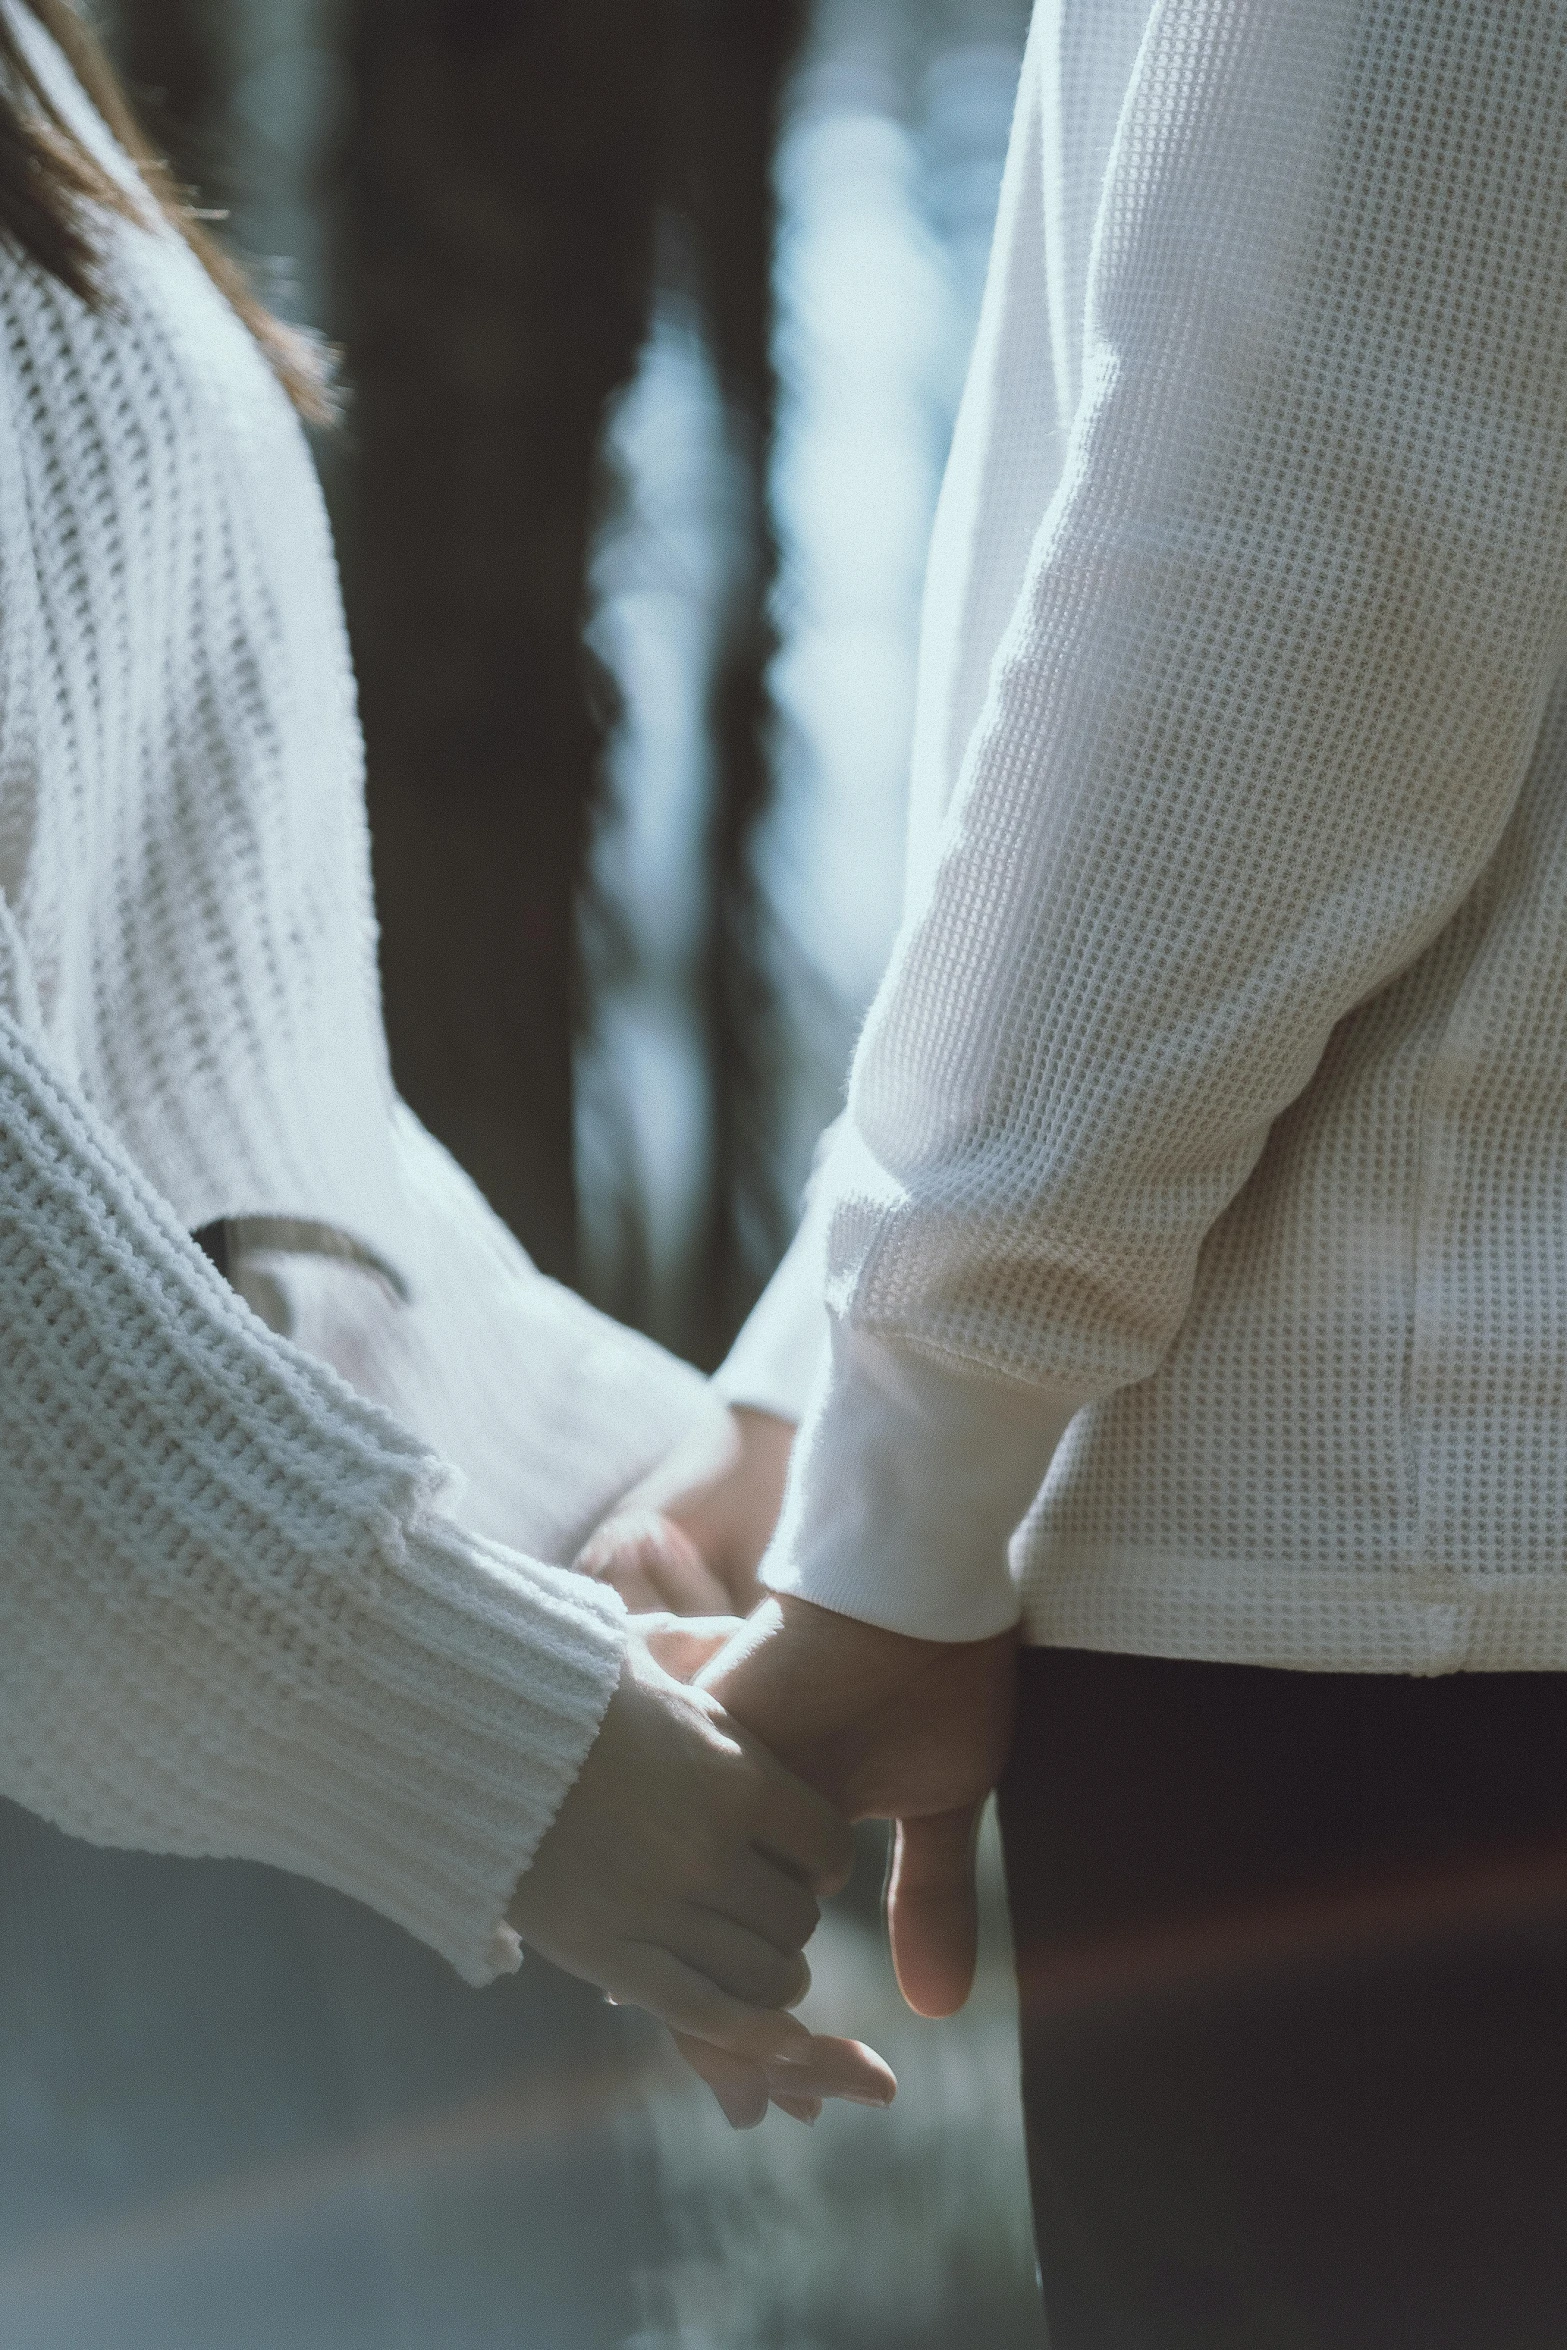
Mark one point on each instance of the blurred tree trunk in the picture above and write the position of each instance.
(497, 241)
(675, 1132)
(496, 205)
(729, 64)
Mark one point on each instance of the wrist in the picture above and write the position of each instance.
(826, 1653)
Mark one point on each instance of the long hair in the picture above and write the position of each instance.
(53, 192)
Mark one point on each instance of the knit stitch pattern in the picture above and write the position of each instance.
(245, 1609)
(1214, 1096)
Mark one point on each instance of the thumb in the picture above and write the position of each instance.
(932, 1909)
(684, 1644)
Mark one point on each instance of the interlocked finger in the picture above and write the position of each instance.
(654, 1565)
(801, 1830)
(739, 2086)
(737, 1960)
(829, 2068)
(652, 1977)
(764, 1897)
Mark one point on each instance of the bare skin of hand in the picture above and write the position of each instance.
(722, 1490)
(690, 1536)
(689, 1540)
(823, 2066)
(886, 1727)
(844, 2069)
(682, 1871)
(684, 1644)
(912, 1730)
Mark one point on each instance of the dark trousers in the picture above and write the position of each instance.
(1292, 1955)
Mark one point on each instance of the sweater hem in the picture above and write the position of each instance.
(1368, 1619)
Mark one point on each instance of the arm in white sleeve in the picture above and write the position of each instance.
(1260, 716)
(775, 1362)
(233, 1618)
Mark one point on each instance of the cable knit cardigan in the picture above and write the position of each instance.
(243, 1609)
(1214, 1107)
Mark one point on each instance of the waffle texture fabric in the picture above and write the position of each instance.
(1199, 1204)
(245, 1609)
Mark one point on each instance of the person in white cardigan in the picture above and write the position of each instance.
(288, 1579)
(1184, 1291)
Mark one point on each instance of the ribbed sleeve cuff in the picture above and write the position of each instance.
(909, 1476)
(233, 1619)
(438, 1741)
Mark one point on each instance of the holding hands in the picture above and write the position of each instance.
(876, 1725)
(914, 1731)
(682, 1870)
(681, 1874)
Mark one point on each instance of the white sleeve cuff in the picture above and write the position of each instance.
(909, 1476)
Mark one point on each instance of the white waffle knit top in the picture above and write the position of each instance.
(1202, 1194)
(244, 1609)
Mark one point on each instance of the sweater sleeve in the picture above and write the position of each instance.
(233, 1617)
(1261, 712)
(775, 1361)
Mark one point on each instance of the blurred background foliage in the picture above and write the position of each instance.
(653, 319)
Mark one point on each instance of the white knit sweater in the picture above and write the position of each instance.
(243, 1610)
(1215, 1102)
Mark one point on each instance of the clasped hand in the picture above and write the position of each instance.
(880, 1725)
(682, 1874)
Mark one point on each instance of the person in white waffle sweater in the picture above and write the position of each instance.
(1184, 1292)
(246, 1609)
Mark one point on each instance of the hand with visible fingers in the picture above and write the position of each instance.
(650, 1559)
(688, 1541)
(887, 1727)
(682, 1873)
(915, 1731)
(844, 2069)
(688, 1538)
